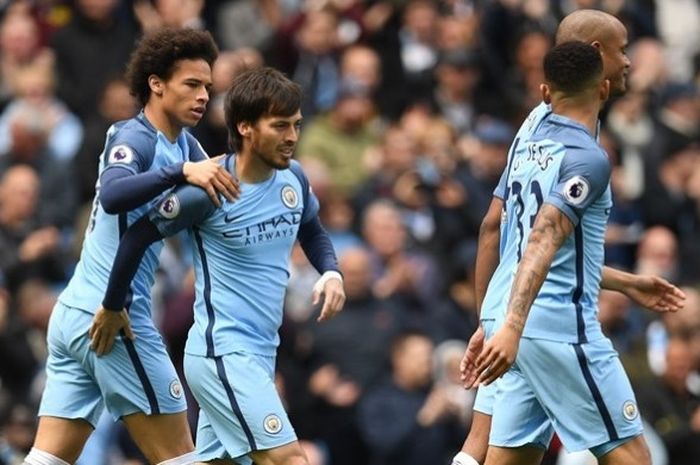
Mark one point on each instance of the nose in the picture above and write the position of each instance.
(293, 134)
(203, 95)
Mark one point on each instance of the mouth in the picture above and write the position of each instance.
(198, 112)
(287, 153)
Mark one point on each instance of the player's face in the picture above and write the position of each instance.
(274, 138)
(186, 93)
(616, 64)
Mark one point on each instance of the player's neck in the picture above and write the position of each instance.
(251, 169)
(583, 113)
(162, 123)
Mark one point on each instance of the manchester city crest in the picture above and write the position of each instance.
(629, 410)
(272, 424)
(289, 197)
(175, 389)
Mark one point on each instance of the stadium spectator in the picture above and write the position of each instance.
(405, 419)
(96, 39)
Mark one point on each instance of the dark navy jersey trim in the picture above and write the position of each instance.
(209, 336)
(129, 344)
(123, 226)
(595, 392)
(578, 292)
(221, 370)
(143, 377)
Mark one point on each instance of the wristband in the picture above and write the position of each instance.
(318, 287)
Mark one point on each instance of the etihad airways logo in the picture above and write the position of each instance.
(281, 226)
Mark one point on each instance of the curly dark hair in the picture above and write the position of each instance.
(256, 93)
(159, 51)
(573, 66)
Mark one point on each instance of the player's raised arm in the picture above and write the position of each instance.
(184, 207)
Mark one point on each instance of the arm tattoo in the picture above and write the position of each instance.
(548, 234)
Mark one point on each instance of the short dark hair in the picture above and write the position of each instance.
(159, 51)
(573, 66)
(256, 93)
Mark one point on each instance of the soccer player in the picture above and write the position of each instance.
(609, 36)
(557, 206)
(170, 73)
(241, 265)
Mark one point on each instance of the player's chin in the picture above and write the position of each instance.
(283, 163)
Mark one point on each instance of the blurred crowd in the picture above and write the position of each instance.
(410, 107)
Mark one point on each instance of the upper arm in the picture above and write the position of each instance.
(129, 149)
(584, 175)
(552, 227)
(492, 220)
(184, 207)
(311, 204)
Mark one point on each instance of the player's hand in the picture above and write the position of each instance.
(105, 327)
(497, 355)
(655, 293)
(213, 178)
(467, 366)
(330, 287)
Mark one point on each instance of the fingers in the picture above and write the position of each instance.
(332, 305)
(94, 334)
(211, 192)
(491, 365)
(105, 344)
(230, 188)
(315, 297)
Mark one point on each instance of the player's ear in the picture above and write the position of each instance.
(243, 128)
(604, 90)
(156, 85)
(546, 93)
(597, 44)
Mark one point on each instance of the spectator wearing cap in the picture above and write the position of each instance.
(456, 77)
(341, 137)
(485, 154)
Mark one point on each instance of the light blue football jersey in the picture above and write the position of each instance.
(561, 164)
(241, 258)
(529, 126)
(136, 145)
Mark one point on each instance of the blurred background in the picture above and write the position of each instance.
(410, 107)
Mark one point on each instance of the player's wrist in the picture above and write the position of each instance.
(325, 277)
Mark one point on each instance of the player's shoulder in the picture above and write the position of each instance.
(194, 145)
(297, 171)
(132, 136)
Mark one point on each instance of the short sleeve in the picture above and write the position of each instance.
(185, 206)
(584, 175)
(500, 190)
